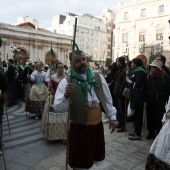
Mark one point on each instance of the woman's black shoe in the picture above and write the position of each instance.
(150, 137)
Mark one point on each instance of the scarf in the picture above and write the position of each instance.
(139, 69)
(85, 85)
(153, 78)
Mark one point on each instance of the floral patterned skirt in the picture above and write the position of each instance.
(53, 125)
(34, 107)
(154, 163)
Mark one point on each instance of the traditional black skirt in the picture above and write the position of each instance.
(86, 145)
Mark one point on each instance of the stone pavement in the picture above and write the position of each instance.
(26, 148)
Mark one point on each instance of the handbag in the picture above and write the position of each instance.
(126, 93)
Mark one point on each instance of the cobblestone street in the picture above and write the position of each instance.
(26, 147)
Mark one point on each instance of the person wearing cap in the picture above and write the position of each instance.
(158, 91)
(90, 96)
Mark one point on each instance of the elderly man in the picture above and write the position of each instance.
(90, 96)
(158, 91)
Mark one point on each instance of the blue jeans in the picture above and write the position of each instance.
(120, 106)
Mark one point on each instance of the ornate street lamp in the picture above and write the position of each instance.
(14, 49)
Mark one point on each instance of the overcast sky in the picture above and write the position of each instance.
(44, 10)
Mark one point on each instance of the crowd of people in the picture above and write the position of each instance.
(46, 91)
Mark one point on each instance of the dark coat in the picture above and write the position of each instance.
(158, 90)
(120, 81)
(166, 69)
(3, 84)
(10, 74)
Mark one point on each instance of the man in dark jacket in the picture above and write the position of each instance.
(119, 86)
(3, 88)
(19, 81)
(11, 75)
(158, 91)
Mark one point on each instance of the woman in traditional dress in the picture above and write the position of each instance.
(51, 70)
(54, 124)
(159, 156)
(39, 92)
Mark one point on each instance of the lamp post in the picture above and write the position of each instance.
(14, 49)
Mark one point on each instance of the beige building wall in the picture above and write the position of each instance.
(35, 43)
(142, 26)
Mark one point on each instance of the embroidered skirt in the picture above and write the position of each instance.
(154, 163)
(159, 157)
(86, 145)
(53, 125)
(34, 107)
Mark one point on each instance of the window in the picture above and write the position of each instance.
(161, 9)
(125, 38)
(82, 46)
(77, 30)
(91, 40)
(92, 32)
(142, 37)
(87, 31)
(159, 35)
(126, 16)
(143, 12)
(77, 38)
(108, 46)
(82, 30)
(87, 39)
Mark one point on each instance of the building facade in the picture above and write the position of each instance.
(33, 43)
(91, 34)
(142, 27)
(108, 18)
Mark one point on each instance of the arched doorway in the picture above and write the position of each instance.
(22, 55)
(48, 56)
